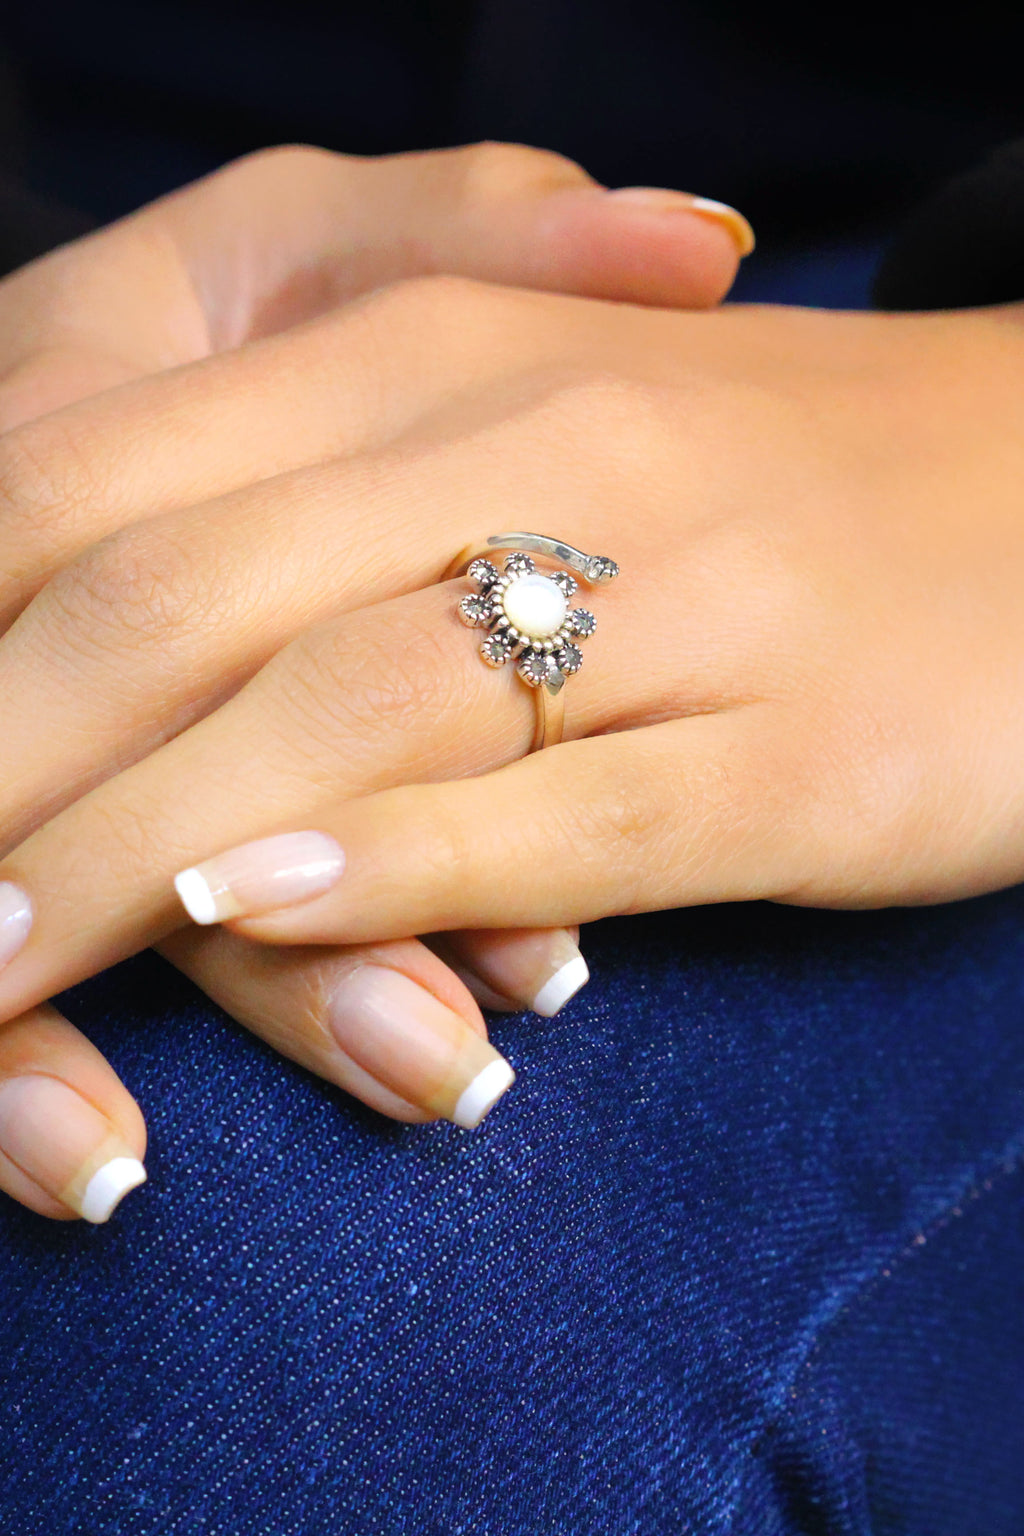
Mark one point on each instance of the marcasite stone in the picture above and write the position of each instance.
(600, 568)
(496, 650)
(475, 610)
(534, 669)
(519, 565)
(483, 572)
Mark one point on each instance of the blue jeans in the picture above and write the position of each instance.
(741, 1253)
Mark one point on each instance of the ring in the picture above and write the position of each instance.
(527, 615)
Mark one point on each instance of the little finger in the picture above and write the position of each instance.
(72, 1138)
(389, 1023)
(689, 811)
(507, 970)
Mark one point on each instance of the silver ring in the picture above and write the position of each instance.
(527, 616)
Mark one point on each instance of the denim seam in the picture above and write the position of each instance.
(1008, 1162)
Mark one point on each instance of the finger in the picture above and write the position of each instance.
(331, 715)
(237, 422)
(506, 970)
(668, 815)
(389, 1023)
(286, 234)
(149, 630)
(72, 1138)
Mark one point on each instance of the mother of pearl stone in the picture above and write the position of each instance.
(535, 605)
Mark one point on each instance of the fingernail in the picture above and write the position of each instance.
(539, 969)
(663, 200)
(15, 920)
(413, 1044)
(260, 877)
(66, 1145)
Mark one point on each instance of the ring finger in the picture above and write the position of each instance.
(389, 1023)
(392, 694)
(147, 630)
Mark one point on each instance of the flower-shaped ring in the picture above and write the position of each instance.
(527, 615)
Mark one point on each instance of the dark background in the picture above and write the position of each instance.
(824, 125)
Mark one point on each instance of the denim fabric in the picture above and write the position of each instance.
(740, 1253)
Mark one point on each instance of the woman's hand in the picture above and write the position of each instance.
(268, 244)
(806, 684)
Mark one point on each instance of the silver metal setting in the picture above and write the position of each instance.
(545, 652)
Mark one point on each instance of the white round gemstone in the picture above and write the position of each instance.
(535, 605)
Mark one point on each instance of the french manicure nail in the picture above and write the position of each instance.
(664, 200)
(15, 920)
(66, 1145)
(260, 877)
(561, 986)
(407, 1039)
(540, 969)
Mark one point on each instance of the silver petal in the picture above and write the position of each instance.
(483, 572)
(582, 622)
(496, 650)
(566, 581)
(569, 660)
(476, 610)
(534, 668)
(519, 565)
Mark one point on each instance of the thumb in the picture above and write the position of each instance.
(285, 234)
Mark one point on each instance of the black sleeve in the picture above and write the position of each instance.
(963, 246)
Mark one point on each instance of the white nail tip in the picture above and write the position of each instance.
(711, 205)
(556, 992)
(483, 1092)
(109, 1185)
(196, 897)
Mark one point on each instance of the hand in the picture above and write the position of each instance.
(805, 686)
(270, 243)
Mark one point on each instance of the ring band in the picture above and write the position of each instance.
(526, 613)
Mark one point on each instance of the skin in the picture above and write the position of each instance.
(805, 686)
(142, 374)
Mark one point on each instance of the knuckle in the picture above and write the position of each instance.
(48, 482)
(434, 298)
(438, 315)
(446, 861)
(648, 836)
(613, 421)
(623, 825)
(140, 583)
(133, 844)
(282, 162)
(490, 171)
(870, 810)
(341, 683)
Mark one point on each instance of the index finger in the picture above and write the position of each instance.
(285, 234)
